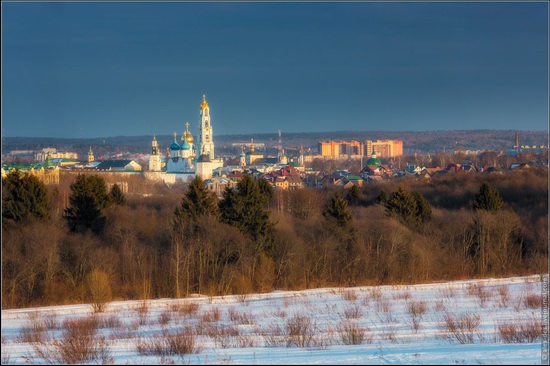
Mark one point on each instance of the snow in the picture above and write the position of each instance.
(384, 311)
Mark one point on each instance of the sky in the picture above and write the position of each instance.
(103, 69)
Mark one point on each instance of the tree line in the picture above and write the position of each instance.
(256, 239)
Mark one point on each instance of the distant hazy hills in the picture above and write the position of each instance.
(423, 141)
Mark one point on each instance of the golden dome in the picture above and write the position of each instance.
(204, 104)
(187, 135)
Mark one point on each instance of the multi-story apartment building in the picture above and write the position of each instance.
(337, 149)
(384, 148)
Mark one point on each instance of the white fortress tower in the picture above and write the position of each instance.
(155, 163)
(206, 135)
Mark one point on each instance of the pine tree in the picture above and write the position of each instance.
(88, 197)
(382, 197)
(92, 186)
(423, 208)
(24, 196)
(402, 205)
(487, 199)
(84, 214)
(117, 197)
(244, 208)
(337, 210)
(353, 196)
(197, 201)
(266, 189)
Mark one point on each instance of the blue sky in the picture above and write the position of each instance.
(109, 69)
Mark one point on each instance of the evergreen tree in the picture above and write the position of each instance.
(24, 196)
(197, 201)
(93, 186)
(353, 196)
(487, 199)
(423, 208)
(337, 210)
(88, 197)
(117, 197)
(244, 208)
(266, 189)
(382, 197)
(402, 205)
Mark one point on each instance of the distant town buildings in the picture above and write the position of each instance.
(344, 149)
(385, 148)
(54, 154)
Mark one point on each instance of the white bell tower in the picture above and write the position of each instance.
(155, 164)
(206, 134)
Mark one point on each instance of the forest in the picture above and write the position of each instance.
(84, 240)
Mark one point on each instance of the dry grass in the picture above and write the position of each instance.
(520, 331)
(189, 309)
(301, 331)
(375, 293)
(273, 335)
(504, 296)
(211, 316)
(440, 306)
(247, 341)
(51, 321)
(169, 343)
(461, 328)
(164, 318)
(353, 334)
(533, 301)
(417, 308)
(402, 295)
(142, 310)
(448, 292)
(352, 312)
(34, 331)
(348, 294)
(223, 336)
(111, 321)
(79, 344)
(481, 292)
(240, 318)
(279, 313)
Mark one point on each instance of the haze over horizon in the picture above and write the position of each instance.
(131, 69)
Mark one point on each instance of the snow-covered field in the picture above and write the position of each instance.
(472, 322)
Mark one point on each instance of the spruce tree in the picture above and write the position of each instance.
(244, 208)
(117, 196)
(487, 199)
(337, 210)
(88, 197)
(382, 197)
(197, 201)
(423, 208)
(24, 196)
(353, 196)
(402, 205)
(266, 189)
(93, 186)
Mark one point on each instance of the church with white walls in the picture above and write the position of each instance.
(185, 159)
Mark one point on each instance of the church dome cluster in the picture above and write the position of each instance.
(184, 156)
(175, 145)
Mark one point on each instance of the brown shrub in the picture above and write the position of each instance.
(520, 331)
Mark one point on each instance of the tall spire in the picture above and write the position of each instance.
(90, 155)
(155, 146)
(204, 103)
